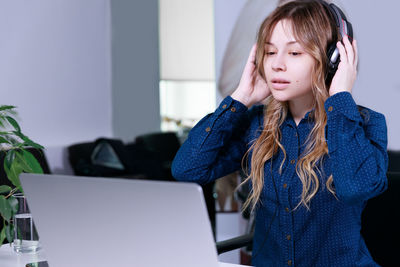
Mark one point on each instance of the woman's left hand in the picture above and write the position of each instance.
(346, 73)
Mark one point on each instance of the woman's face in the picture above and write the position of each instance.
(287, 66)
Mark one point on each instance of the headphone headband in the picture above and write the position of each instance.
(345, 29)
(344, 26)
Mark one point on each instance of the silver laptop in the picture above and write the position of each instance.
(87, 221)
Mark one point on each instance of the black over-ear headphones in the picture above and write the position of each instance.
(344, 28)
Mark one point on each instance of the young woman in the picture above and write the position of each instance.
(312, 155)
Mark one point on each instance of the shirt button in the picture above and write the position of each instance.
(330, 108)
(292, 161)
(287, 209)
(208, 129)
(224, 106)
(288, 237)
(289, 262)
(233, 109)
(284, 185)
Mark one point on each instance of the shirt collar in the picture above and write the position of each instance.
(290, 121)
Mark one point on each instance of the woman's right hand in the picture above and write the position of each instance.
(252, 88)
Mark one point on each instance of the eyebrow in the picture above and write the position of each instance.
(288, 43)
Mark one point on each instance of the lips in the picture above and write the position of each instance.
(279, 83)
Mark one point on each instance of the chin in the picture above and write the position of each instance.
(280, 95)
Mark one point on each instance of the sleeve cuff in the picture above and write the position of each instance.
(232, 105)
(230, 111)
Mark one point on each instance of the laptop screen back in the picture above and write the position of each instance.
(86, 221)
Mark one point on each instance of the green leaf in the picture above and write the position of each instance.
(3, 234)
(5, 208)
(5, 107)
(9, 159)
(27, 141)
(13, 141)
(27, 162)
(3, 140)
(13, 174)
(32, 162)
(10, 233)
(14, 123)
(5, 189)
(13, 204)
(19, 160)
(12, 168)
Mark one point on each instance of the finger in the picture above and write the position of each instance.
(349, 49)
(355, 53)
(342, 52)
(250, 66)
(252, 56)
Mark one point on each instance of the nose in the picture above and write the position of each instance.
(278, 63)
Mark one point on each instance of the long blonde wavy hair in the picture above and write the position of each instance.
(314, 28)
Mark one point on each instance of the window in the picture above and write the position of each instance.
(184, 103)
(187, 86)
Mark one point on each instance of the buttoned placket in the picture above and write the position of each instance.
(295, 137)
(292, 139)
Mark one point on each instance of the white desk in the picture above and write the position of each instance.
(8, 258)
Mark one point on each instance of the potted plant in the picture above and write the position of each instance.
(17, 159)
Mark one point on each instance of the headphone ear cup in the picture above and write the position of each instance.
(333, 57)
(333, 62)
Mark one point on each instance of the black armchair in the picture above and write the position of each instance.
(235, 243)
(160, 147)
(394, 161)
(105, 157)
(380, 223)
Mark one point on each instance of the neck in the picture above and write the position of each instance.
(299, 107)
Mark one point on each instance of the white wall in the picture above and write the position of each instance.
(55, 66)
(57, 60)
(378, 83)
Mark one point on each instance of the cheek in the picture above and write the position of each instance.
(267, 69)
(265, 65)
(304, 75)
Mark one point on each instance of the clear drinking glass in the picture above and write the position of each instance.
(26, 238)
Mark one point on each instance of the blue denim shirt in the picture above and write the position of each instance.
(329, 233)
